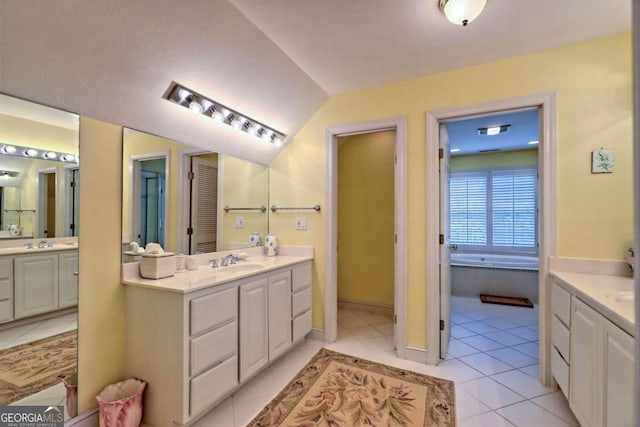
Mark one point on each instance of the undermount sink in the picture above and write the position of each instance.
(240, 268)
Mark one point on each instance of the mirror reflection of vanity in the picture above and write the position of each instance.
(39, 189)
(187, 199)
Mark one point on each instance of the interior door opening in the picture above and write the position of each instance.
(490, 229)
(202, 227)
(47, 202)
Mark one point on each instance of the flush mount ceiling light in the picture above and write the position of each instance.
(200, 104)
(461, 12)
(493, 130)
(18, 151)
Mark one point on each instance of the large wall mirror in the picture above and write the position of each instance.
(39, 184)
(189, 200)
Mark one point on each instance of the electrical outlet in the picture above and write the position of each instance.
(301, 223)
(239, 222)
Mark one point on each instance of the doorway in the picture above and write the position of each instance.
(399, 218)
(438, 291)
(47, 202)
(202, 229)
(489, 221)
(366, 238)
(148, 199)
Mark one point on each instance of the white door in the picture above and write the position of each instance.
(445, 249)
(204, 206)
(279, 314)
(254, 327)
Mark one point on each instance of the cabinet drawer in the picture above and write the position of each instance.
(301, 301)
(213, 384)
(5, 311)
(214, 309)
(301, 276)
(561, 303)
(560, 337)
(214, 346)
(301, 326)
(560, 371)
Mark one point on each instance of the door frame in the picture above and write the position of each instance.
(547, 205)
(43, 202)
(134, 192)
(182, 243)
(400, 224)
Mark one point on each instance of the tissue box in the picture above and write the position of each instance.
(157, 266)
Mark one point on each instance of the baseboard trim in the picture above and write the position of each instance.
(88, 418)
(316, 334)
(416, 354)
(365, 306)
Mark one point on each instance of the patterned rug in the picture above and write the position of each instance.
(29, 368)
(336, 390)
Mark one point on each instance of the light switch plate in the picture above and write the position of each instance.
(301, 223)
(239, 222)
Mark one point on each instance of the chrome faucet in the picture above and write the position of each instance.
(214, 263)
(229, 259)
(42, 243)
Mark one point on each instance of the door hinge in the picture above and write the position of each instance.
(189, 231)
(191, 176)
(395, 238)
(441, 153)
(395, 319)
(395, 158)
(72, 226)
(441, 325)
(442, 239)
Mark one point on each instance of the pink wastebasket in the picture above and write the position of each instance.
(120, 404)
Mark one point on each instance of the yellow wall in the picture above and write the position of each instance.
(28, 133)
(244, 184)
(365, 218)
(494, 160)
(101, 322)
(593, 85)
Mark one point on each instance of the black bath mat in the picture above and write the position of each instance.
(496, 299)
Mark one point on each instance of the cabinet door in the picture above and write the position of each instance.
(68, 279)
(279, 313)
(36, 284)
(254, 327)
(618, 377)
(585, 390)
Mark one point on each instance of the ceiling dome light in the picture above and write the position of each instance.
(9, 149)
(461, 12)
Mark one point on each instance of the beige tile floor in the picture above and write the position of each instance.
(493, 360)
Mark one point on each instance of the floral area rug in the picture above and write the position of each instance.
(337, 390)
(32, 367)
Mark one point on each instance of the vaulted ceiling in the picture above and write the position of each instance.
(276, 61)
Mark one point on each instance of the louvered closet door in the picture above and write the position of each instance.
(204, 205)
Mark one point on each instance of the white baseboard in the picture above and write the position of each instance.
(316, 334)
(416, 354)
(365, 306)
(88, 418)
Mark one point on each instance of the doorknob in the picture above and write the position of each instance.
(453, 247)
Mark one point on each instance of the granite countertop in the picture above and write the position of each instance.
(612, 296)
(206, 276)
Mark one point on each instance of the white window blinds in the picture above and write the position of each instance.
(495, 210)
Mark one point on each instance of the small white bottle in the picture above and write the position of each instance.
(254, 239)
(271, 245)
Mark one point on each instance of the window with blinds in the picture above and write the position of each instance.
(494, 210)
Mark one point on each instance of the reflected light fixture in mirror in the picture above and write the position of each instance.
(200, 104)
(20, 151)
(461, 12)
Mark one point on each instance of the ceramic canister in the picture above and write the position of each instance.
(254, 239)
(271, 245)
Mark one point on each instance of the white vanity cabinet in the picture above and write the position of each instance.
(301, 301)
(194, 348)
(592, 359)
(6, 289)
(35, 284)
(67, 279)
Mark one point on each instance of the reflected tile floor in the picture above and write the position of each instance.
(54, 395)
(493, 364)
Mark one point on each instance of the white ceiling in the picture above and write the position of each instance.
(276, 61)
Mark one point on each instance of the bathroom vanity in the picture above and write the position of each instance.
(199, 335)
(35, 281)
(592, 353)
